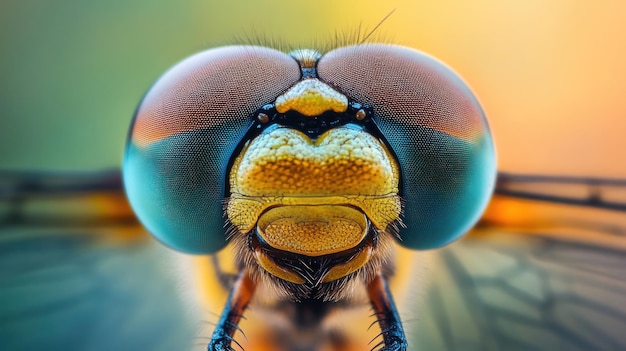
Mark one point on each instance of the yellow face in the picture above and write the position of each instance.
(313, 196)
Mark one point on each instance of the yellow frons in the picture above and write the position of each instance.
(342, 161)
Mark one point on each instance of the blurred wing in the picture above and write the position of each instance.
(77, 272)
(534, 275)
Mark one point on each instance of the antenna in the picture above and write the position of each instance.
(375, 28)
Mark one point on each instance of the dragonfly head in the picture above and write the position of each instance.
(323, 159)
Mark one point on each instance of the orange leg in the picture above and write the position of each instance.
(237, 302)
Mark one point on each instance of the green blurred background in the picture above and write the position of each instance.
(72, 72)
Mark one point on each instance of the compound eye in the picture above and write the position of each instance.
(184, 133)
(436, 128)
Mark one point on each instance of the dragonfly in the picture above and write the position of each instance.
(524, 279)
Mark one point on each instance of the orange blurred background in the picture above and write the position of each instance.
(550, 75)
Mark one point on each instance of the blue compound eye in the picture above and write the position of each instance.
(434, 125)
(184, 134)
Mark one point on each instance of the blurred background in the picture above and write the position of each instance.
(550, 76)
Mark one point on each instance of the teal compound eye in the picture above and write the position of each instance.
(184, 133)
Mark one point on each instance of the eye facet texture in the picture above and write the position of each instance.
(184, 134)
(437, 129)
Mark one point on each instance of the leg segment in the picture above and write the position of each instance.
(387, 316)
(238, 300)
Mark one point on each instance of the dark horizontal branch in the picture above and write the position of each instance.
(537, 187)
(15, 184)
